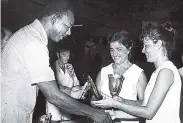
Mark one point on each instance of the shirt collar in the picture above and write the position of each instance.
(39, 27)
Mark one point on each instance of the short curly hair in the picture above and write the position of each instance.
(163, 32)
(58, 7)
(122, 37)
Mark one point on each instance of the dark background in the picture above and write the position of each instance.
(99, 19)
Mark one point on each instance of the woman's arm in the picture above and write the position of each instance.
(118, 113)
(99, 82)
(164, 81)
(141, 86)
(58, 78)
(76, 91)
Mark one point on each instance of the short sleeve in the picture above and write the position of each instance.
(37, 63)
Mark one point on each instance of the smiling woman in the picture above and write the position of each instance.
(161, 102)
(120, 43)
(131, 87)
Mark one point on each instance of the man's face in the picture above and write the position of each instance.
(62, 27)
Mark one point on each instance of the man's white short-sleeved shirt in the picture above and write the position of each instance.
(24, 62)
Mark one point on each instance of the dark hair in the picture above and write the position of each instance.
(58, 7)
(63, 47)
(124, 38)
(163, 32)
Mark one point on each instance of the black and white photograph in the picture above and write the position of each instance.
(91, 61)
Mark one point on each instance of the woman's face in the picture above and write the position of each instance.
(64, 56)
(150, 50)
(119, 52)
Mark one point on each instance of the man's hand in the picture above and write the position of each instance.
(112, 113)
(79, 92)
(100, 116)
(65, 102)
(106, 102)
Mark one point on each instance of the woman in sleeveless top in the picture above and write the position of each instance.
(67, 83)
(134, 82)
(162, 95)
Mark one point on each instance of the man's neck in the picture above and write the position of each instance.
(46, 25)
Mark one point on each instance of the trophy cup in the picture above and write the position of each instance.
(115, 84)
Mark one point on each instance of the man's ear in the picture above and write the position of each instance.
(53, 18)
(159, 44)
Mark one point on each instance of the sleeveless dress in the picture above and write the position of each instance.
(129, 86)
(169, 110)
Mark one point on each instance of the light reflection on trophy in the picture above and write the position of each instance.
(115, 84)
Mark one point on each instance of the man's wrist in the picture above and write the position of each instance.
(91, 112)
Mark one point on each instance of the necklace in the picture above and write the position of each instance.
(122, 68)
